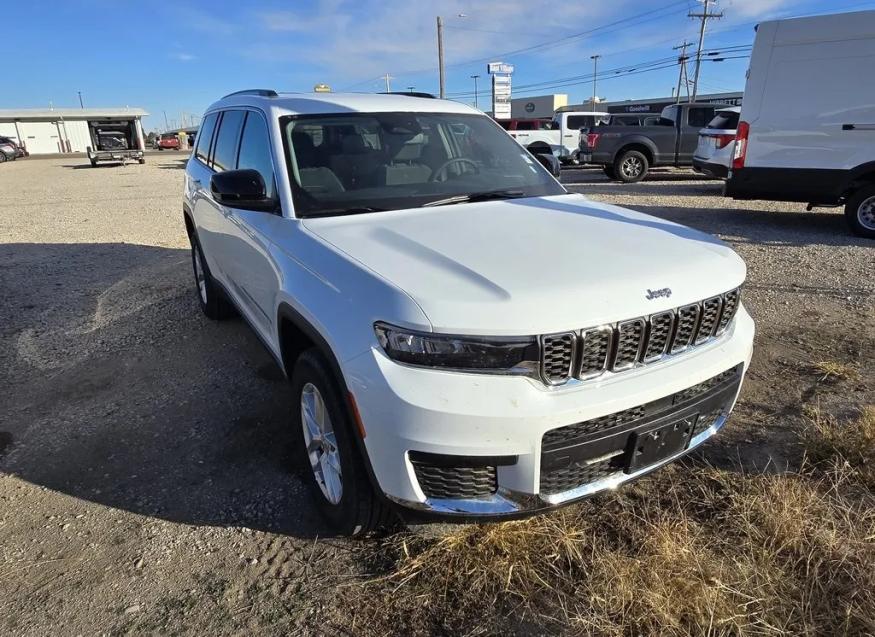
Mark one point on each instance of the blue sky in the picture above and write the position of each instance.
(177, 57)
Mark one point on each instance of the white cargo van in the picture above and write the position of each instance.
(807, 129)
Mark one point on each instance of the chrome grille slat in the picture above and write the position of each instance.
(595, 347)
(708, 319)
(688, 318)
(557, 357)
(640, 341)
(630, 340)
(659, 331)
(730, 307)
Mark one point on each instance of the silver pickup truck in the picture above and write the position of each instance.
(627, 152)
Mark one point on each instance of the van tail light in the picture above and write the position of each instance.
(740, 152)
(592, 139)
(724, 140)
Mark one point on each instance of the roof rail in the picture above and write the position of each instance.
(261, 92)
(410, 94)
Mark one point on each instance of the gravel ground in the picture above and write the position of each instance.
(147, 476)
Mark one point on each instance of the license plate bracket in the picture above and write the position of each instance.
(649, 447)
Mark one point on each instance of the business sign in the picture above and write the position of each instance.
(501, 73)
(530, 107)
(499, 68)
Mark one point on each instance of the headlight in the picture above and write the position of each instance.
(479, 354)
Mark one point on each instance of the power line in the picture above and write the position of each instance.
(542, 45)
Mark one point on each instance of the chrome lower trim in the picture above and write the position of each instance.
(508, 502)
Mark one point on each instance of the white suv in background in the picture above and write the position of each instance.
(713, 155)
(463, 336)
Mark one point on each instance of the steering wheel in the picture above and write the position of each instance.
(443, 167)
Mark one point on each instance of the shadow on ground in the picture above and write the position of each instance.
(120, 392)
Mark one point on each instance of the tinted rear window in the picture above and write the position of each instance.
(726, 120)
(225, 153)
(205, 135)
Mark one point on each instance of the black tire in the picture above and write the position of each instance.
(608, 169)
(211, 298)
(631, 166)
(2, 157)
(94, 163)
(860, 212)
(142, 160)
(359, 510)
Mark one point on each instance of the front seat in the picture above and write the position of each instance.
(356, 165)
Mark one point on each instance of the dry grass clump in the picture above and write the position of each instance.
(691, 550)
(835, 371)
(834, 442)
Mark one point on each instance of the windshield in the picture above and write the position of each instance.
(368, 162)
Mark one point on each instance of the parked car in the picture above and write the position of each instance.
(20, 151)
(588, 134)
(561, 137)
(8, 152)
(807, 129)
(713, 155)
(627, 153)
(168, 141)
(419, 280)
(526, 124)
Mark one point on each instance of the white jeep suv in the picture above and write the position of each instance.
(463, 336)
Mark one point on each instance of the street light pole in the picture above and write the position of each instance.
(474, 77)
(595, 70)
(440, 37)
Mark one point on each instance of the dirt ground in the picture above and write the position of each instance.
(148, 480)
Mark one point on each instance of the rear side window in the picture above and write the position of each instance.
(205, 136)
(255, 150)
(699, 117)
(225, 155)
(525, 126)
(724, 120)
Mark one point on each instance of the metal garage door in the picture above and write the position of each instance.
(40, 137)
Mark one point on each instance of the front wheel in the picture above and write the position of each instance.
(335, 469)
(209, 297)
(631, 166)
(860, 212)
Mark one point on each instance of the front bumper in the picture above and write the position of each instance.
(514, 424)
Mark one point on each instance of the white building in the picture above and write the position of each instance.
(64, 130)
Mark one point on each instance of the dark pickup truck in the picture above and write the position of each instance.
(627, 152)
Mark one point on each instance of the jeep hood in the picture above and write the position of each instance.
(534, 265)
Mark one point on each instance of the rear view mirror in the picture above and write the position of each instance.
(549, 162)
(241, 189)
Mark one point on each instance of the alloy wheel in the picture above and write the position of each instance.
(632, 167)
(866, 213)
(321, 443)
(200, 277)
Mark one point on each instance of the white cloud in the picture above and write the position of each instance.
(183, 57)
(754, 8)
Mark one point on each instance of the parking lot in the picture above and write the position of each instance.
(147, 471)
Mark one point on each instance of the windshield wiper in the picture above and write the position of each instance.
(477, 196)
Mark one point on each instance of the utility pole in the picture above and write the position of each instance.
(166, 125)
(475, 77)
(595, 70)
(704, 17)
(440, 36)
(682, 71)
(81, 105)
(410, 89)
(388, 77)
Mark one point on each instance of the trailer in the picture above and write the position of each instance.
(116, 140)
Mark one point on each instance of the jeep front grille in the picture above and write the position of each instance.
(557, 357)
(588, 353)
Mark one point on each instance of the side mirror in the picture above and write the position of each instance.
(241, 189)
(549, 162)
